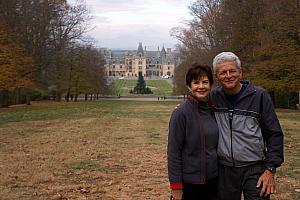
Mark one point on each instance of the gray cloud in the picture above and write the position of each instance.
(102, 19)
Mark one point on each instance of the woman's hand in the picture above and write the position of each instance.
(177, 194)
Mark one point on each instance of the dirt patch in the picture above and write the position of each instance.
(283, 110)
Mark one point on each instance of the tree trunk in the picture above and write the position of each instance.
(17, 96)
(85, 97)
(272, 94)
(58, 96)
(68, 95)
(4, 99)
(299, 101)
(28, 98)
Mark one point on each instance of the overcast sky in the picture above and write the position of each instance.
(122, 24)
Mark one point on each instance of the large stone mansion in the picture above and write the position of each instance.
(150, 63)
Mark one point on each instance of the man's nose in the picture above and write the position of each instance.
(228, 73)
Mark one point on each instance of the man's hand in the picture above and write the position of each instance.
(268, 183)
(177, 194)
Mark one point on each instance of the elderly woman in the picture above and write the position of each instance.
(193, 140)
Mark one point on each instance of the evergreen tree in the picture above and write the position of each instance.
(141, 87)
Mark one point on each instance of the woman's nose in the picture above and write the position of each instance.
(200, 85)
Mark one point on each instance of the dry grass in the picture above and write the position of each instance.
(288, 175)
(107, 157)
(112, 155)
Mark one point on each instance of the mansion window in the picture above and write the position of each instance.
(140, 67)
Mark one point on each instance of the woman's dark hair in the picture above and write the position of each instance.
(197, 71)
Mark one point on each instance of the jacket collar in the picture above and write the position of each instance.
(196, 102)
(249, 89)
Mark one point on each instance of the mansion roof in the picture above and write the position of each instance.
(119, 56)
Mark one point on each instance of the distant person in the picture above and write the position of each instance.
(250, 146)
(192, 141)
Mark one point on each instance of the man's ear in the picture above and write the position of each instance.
(216, 77)
(241, 73)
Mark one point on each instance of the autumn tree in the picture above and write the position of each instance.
(264, 34)
(199, 40)
(67, 27)
(276, 62)
(15, 67)
(86, 72)
(47, 28)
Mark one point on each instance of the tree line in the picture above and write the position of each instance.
(44, 52)
(265, 34)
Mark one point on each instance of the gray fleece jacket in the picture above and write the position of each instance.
(254, 133)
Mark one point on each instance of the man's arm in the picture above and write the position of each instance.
(272, 133)
(273, 137)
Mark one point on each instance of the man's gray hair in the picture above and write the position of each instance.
(226, 56)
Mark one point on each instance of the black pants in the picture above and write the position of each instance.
(207, 191)
(233, 181)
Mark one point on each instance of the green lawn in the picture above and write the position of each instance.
(158, 87)
(108, 149)
(75, 110)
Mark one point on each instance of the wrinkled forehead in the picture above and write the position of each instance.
(227, 64)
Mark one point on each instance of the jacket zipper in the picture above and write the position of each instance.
(231, 135)
(231, 119)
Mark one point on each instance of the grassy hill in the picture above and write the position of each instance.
(158, 87)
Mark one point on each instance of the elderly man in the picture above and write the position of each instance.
(250, 146)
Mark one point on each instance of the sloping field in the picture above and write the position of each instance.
(158, 87)
(103, 150)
